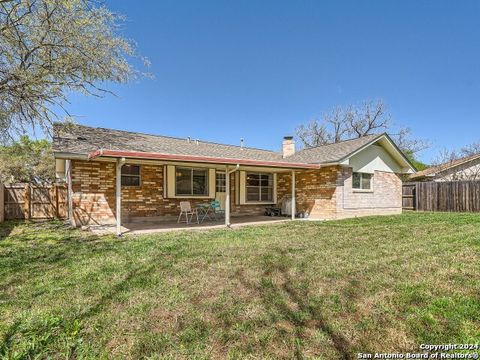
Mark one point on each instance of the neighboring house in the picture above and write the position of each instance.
(135, 175)
(466, 168)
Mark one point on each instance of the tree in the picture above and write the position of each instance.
(49, 48)
(27, 160)
(349, 122)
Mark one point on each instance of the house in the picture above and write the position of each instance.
(126, 176)
(465, 168)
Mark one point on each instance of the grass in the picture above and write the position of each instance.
(296, 290)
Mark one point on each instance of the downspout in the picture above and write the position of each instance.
(118, 194)
(227, 193)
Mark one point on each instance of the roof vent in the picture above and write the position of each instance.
(241, 143)
(189, 139)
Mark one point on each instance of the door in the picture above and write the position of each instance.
(220, 188)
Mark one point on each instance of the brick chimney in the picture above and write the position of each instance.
(288, 146)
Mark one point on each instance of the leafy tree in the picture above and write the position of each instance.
(49, 48)
(27, 160)
(349, 122)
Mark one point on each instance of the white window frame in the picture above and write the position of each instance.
(260, 201)
(217, 186)
(139, 176)
(192, 195)
(360, 189)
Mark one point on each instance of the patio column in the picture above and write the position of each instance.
(118, 194)
(227, 197)
(68, 173)
(293, 195)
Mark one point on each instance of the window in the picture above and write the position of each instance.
(362, 181)
(220, 182)
(131, 175)
(190, 181)
(259, 187)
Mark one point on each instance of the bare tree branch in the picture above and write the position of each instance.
(348, 122)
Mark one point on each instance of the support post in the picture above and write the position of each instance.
(118, 194)
(227, 197)
(68, 173)
(293, 195)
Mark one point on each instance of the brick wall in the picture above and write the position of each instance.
(324, 194)
(327, 193)
(386, 197)
(93, 192)
(315, 191)
(93, 185)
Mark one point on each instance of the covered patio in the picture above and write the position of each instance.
(150, 227)
(228, 166)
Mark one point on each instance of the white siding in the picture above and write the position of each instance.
(374, 158)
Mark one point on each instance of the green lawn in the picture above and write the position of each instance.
(304, 289)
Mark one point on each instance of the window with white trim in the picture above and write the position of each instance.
(130, 175)
(362, 181)
(220, 182)
(191, 181)
(259, 187)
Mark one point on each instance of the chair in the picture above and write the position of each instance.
(186, 209)
(215, 205)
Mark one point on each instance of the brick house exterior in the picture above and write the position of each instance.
(93, 188)
(355, 178)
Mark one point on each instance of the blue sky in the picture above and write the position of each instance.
(226, 70)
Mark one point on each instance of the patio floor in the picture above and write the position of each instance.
(164, 226)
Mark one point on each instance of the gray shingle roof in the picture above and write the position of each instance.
(431, 171)
(83, 140)
(333, 152)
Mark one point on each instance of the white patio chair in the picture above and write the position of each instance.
(186, 209)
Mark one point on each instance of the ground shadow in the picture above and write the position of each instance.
(292, 300)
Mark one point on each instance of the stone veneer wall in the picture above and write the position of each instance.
(93, 185)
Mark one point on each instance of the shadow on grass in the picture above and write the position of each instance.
(291, 300)
(20, 335)
(7, 227)
(27, 263)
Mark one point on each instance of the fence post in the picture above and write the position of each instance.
(28, 200)
(57, 212)
(415, 190)
(2, 203)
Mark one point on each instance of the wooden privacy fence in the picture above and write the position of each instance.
(455, 196)
(25, 201)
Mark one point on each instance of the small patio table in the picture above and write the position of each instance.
(204, 211)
